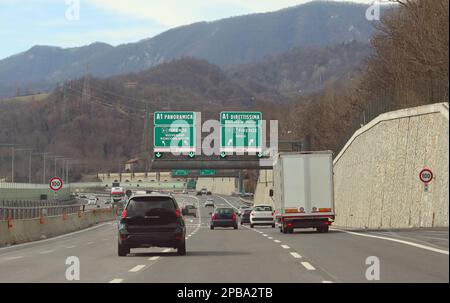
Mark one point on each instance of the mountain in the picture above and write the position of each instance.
(225, 42)
(303, 70)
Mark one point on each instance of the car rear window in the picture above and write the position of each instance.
(142, 206)
(263, 208)
(223, 211)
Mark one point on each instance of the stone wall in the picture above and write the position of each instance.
(376, 175)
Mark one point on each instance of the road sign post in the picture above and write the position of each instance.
(426, 176)
(56, 185)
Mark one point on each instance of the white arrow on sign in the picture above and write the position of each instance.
(251, 141)
(230, 142)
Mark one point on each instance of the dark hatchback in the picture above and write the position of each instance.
(223, 217)
(245, 216)
(151, 221)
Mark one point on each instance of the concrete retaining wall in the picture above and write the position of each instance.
(376, 175)
(264, 185)
(29, 230)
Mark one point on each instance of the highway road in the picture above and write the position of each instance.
(258, 255)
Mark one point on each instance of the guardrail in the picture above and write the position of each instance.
(18, 213)
(35, 209)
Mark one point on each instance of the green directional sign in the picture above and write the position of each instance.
(207, 172)
(174, 132)
(180, 172)
(177, 118)
(241, 131)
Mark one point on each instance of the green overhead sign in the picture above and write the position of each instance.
(180, 172)
(174, 132)
(240, 131)
(207, 172)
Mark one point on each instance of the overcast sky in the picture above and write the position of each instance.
(24, 23)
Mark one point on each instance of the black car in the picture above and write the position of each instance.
(223, 217)
(151, 221)
(245, 216)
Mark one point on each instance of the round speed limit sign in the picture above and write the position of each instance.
(426, 175)
(56, 184)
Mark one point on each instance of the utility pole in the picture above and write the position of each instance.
(12, 165)
(86, 93)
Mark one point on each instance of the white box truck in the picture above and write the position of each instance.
(303, 190)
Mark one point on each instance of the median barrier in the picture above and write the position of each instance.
(15, 231)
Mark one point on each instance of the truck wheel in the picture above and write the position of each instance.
(251, 226)
(211, 227)
(326, 229)
(283, 229)
(290, 230)
(273, 225)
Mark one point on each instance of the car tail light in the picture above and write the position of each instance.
(273, 213)
(124, 214)
(213, 217)
(233, 217)
(123, 237)
(289, 224)
(178, 213)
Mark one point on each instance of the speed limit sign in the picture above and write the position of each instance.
(426, 175)
(56, 183)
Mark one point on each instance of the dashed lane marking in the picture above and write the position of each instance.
(116, 281)
(153, 258)
(285, 246)
(296, 255)
(308, 266)
(137, 268)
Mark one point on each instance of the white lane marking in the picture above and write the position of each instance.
(276, 241)
(441, 251)
(137, 268)
(55, 238)
(71, 246)
(270, 238)
(46, 252)
(166, 250)
(153, 258)
(116, 281)
(13, 258)
(105, 239)
(327, 281)
(89, 243)
(264, 235)
(296, 255)
(285, 246)
(308, 265)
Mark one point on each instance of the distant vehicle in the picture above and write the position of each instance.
(92, 201)
(245, 216)
(83, 196)
(223, 217)
(153, 220)
(208, 193)
(242, 209)
(303, 194)
(117, 194)
(199, 193)
(189, 210)
(262, 215)
(204, 191)
(209, 203)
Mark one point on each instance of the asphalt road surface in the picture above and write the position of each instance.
(262, 254)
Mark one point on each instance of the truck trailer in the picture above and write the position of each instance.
(303, 191)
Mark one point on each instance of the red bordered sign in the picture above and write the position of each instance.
(56, 183)
(426, 175)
